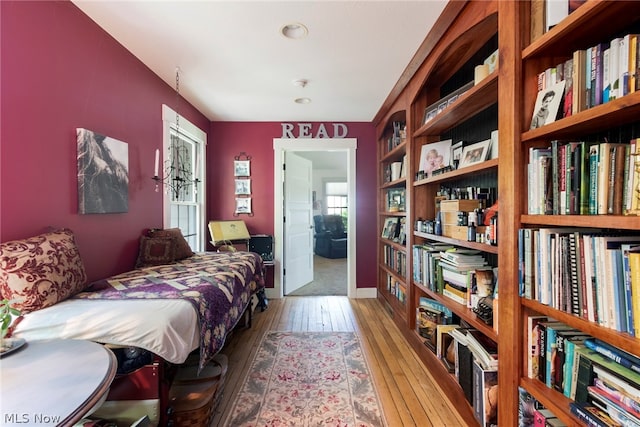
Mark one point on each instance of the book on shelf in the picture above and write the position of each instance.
(444, 342)
(562, 357)
(484, 349)
(570, 377)
(533, 344)
(617, 355)
(485, 394)
(463, 368)
(618, 412)
(542, 416)
(427, 321)
(591, 415)
(634, 277)
(628, 401)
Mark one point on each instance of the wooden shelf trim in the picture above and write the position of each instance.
(456, 174)
(396, 153)
(401, 182)
(553, 400)
(621, 340)
(484, 247)
(621, 111)
(619, 222)
(476, 99)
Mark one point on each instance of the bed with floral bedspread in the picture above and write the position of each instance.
(219, 285)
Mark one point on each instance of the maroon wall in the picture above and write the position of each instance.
(61, 71)
(229, 139)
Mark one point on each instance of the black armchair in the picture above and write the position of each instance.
(331, 239)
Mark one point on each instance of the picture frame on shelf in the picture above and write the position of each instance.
(475, 153)
(389, 229)
(434, 156)
(243, 186)
(429, 114)
(456, 153)
(547, 105)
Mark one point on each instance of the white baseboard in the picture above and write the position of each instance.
(366, 293)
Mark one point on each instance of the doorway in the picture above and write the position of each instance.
(346, 147)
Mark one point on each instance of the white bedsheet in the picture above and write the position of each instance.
(166, 327)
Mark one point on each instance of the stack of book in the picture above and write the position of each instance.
(459, 267)
(602, 380)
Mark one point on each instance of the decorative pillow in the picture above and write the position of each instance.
(156, 250)
(40, 271)
(182, 248)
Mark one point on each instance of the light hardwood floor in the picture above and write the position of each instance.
(409, 395)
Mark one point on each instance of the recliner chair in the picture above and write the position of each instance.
(331, 238)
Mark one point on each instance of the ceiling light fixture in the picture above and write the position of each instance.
(300, 82)
(294, 31)
(302, 100)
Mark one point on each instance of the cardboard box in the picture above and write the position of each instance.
(466, 205)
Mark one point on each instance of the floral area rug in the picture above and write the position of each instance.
(308, 379)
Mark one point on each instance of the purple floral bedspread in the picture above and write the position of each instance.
(219, 285)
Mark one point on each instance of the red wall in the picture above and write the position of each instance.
(229, 139)
(61, 71)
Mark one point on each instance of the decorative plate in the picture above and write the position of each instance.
(9, 345)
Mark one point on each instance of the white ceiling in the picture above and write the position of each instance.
(236, 66)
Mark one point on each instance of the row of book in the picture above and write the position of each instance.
(585, 272)
(532, 413)
(591, 372)
(396, 288)
(459, 274)
(395, 259)
(580, 178)
(465, 352)
(596, 75)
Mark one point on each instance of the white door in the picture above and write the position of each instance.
(298, 229)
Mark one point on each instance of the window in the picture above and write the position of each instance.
(184, 199)
(336, 199)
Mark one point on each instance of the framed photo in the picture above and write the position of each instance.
(243, 205)
(243, 186)
(389, 229)
(456, 154)
(241, 168)
(547, 105)
(434, 156)
(429, 115)
(475, 153)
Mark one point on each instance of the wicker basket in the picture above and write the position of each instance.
(192, 397)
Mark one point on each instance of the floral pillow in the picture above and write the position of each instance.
(41, 271)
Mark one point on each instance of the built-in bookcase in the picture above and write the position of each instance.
(504, 100)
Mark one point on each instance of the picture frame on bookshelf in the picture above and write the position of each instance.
(456, 154)
(429, 114)
(434, 156)
(475, 153)
(547, 105)
(389, 229)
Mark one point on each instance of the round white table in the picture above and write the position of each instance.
(53, 382)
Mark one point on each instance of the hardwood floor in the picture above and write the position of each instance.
(409, 395)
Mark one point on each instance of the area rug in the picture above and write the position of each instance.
(308, 379)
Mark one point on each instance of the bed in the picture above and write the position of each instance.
(167, 306)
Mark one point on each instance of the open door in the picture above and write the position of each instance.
(298, 228)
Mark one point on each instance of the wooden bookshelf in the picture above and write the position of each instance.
(463, 28)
